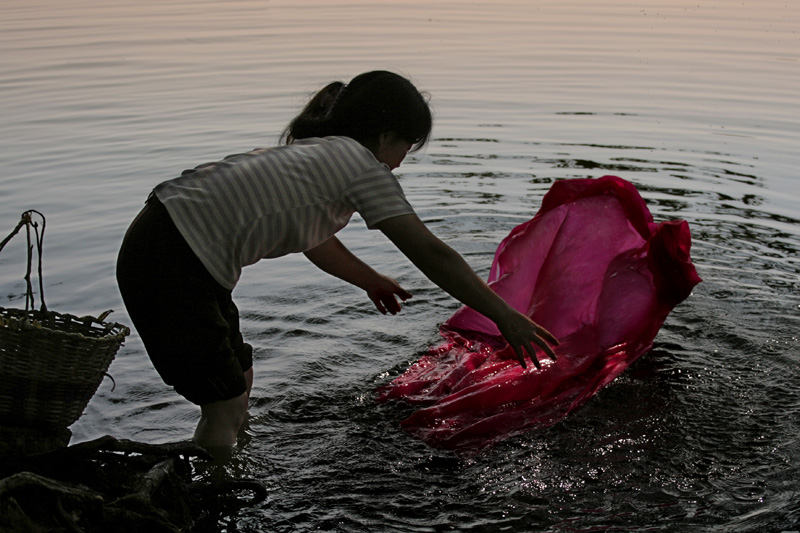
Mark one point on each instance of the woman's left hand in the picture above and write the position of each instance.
(524, 335)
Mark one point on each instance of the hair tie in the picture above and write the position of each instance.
(335, 100)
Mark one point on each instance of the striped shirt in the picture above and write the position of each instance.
(274, 201)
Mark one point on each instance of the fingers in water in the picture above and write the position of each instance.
(521, 358)
(532, 355)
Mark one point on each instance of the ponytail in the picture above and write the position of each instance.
(371, 104)
(314, 120)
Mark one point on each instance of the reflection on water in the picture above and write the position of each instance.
(692, 102)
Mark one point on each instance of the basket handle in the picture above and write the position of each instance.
(27, 221)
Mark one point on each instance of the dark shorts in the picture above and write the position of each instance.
(186, 319)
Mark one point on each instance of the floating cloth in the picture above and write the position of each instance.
(592, 268)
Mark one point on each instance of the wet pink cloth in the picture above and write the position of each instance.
(591, 267)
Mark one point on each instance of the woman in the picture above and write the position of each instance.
(183, 254)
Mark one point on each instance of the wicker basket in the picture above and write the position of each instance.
(50, 363)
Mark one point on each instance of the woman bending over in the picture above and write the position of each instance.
(183, 254)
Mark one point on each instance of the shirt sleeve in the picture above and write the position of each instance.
(376, 195)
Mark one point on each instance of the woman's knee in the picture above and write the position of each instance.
(248, 378)
(229, 413)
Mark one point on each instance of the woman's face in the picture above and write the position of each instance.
(392, 149)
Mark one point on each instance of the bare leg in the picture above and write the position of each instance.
(221, 421)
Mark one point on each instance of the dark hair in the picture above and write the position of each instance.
(372, 103)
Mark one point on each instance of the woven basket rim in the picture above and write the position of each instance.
(17, 317)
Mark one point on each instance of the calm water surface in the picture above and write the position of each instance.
(697, 103)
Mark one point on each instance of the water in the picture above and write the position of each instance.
(694, 102)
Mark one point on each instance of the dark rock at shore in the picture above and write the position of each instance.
(118, 485)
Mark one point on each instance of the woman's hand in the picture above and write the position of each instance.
(384, 291)
(332, 257)
(523, 335)
(447, 269)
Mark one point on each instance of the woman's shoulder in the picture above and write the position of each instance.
(333, 142)
(345, 150)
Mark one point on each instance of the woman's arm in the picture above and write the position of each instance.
(447, 269)
(334, 258)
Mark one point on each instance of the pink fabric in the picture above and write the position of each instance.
(595, 270)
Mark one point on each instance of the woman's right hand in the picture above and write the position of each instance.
(384, 292)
